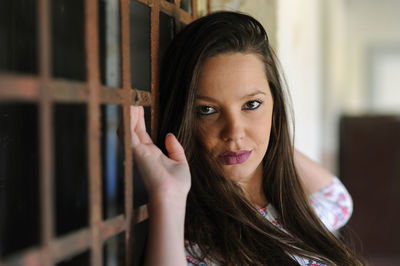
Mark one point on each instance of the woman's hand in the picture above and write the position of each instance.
(165, 177)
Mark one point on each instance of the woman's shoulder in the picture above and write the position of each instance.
(333, 205)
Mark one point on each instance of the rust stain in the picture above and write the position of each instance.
(140, 98)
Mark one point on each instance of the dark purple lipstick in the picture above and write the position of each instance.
(235, 157)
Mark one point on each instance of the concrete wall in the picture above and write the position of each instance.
(361, 48)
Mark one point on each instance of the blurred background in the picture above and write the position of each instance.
(341, 60)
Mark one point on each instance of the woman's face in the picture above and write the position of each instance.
(234, 113)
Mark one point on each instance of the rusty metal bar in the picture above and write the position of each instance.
(26, 88)
(154, 58)
(126, 89)
(93, 79)
(76, 242)
(170, 9)
(209, 7)
(113, 227)
(31, 257)
(141, 214)
(16, 87)
(175, 11)
(68, 245)
(194, 9)
(45, 133)
(70, 91)
(177, 3)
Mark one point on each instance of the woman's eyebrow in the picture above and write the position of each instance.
(207, 98)
(254, 94)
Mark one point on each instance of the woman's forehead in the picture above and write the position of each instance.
(232, 73)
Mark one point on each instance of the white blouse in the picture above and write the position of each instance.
(332, 204)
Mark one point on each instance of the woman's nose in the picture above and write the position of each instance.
(233, 128)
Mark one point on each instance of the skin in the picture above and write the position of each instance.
(167, 180)
(234, 111)
(228, 83)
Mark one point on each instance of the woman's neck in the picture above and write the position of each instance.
(253, 189)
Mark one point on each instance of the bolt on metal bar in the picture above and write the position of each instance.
(128, 170)
(141, 214)
(46, 136)
(93, 79)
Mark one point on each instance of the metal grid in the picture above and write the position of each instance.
(45, 90)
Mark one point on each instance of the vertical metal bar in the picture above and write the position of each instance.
(177, 3)
(126, 87)
(154, 39)
(194, 9)
(46, 137)
(112, 79)
(208, 6)
(93, 79)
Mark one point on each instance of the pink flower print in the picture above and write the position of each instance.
(342, 197)
(191, 259)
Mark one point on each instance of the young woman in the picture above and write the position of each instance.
(230, 189)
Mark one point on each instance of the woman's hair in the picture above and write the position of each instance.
(219, 218)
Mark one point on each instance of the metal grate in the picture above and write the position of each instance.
(46, 90)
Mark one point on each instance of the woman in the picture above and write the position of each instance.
(231, 185)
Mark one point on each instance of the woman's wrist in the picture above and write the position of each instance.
(168, 201)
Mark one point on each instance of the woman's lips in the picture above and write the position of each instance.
(235, 157)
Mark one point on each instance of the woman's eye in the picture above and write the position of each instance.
(251, 105)
(205, 110)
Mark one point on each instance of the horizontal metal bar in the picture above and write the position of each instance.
(175, 11)
(67, 246)
(112, 227)
(170, 9)
(30, 257)
(70, 245)
(16, 87)
(26, 88)
(140, 214)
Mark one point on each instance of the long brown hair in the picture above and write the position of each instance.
(219, 218)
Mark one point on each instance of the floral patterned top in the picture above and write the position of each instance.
(333, 205)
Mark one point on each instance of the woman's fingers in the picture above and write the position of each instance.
(138, 125)
(174, 148)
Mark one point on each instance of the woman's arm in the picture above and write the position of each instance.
(313, 176)
(167, 180)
